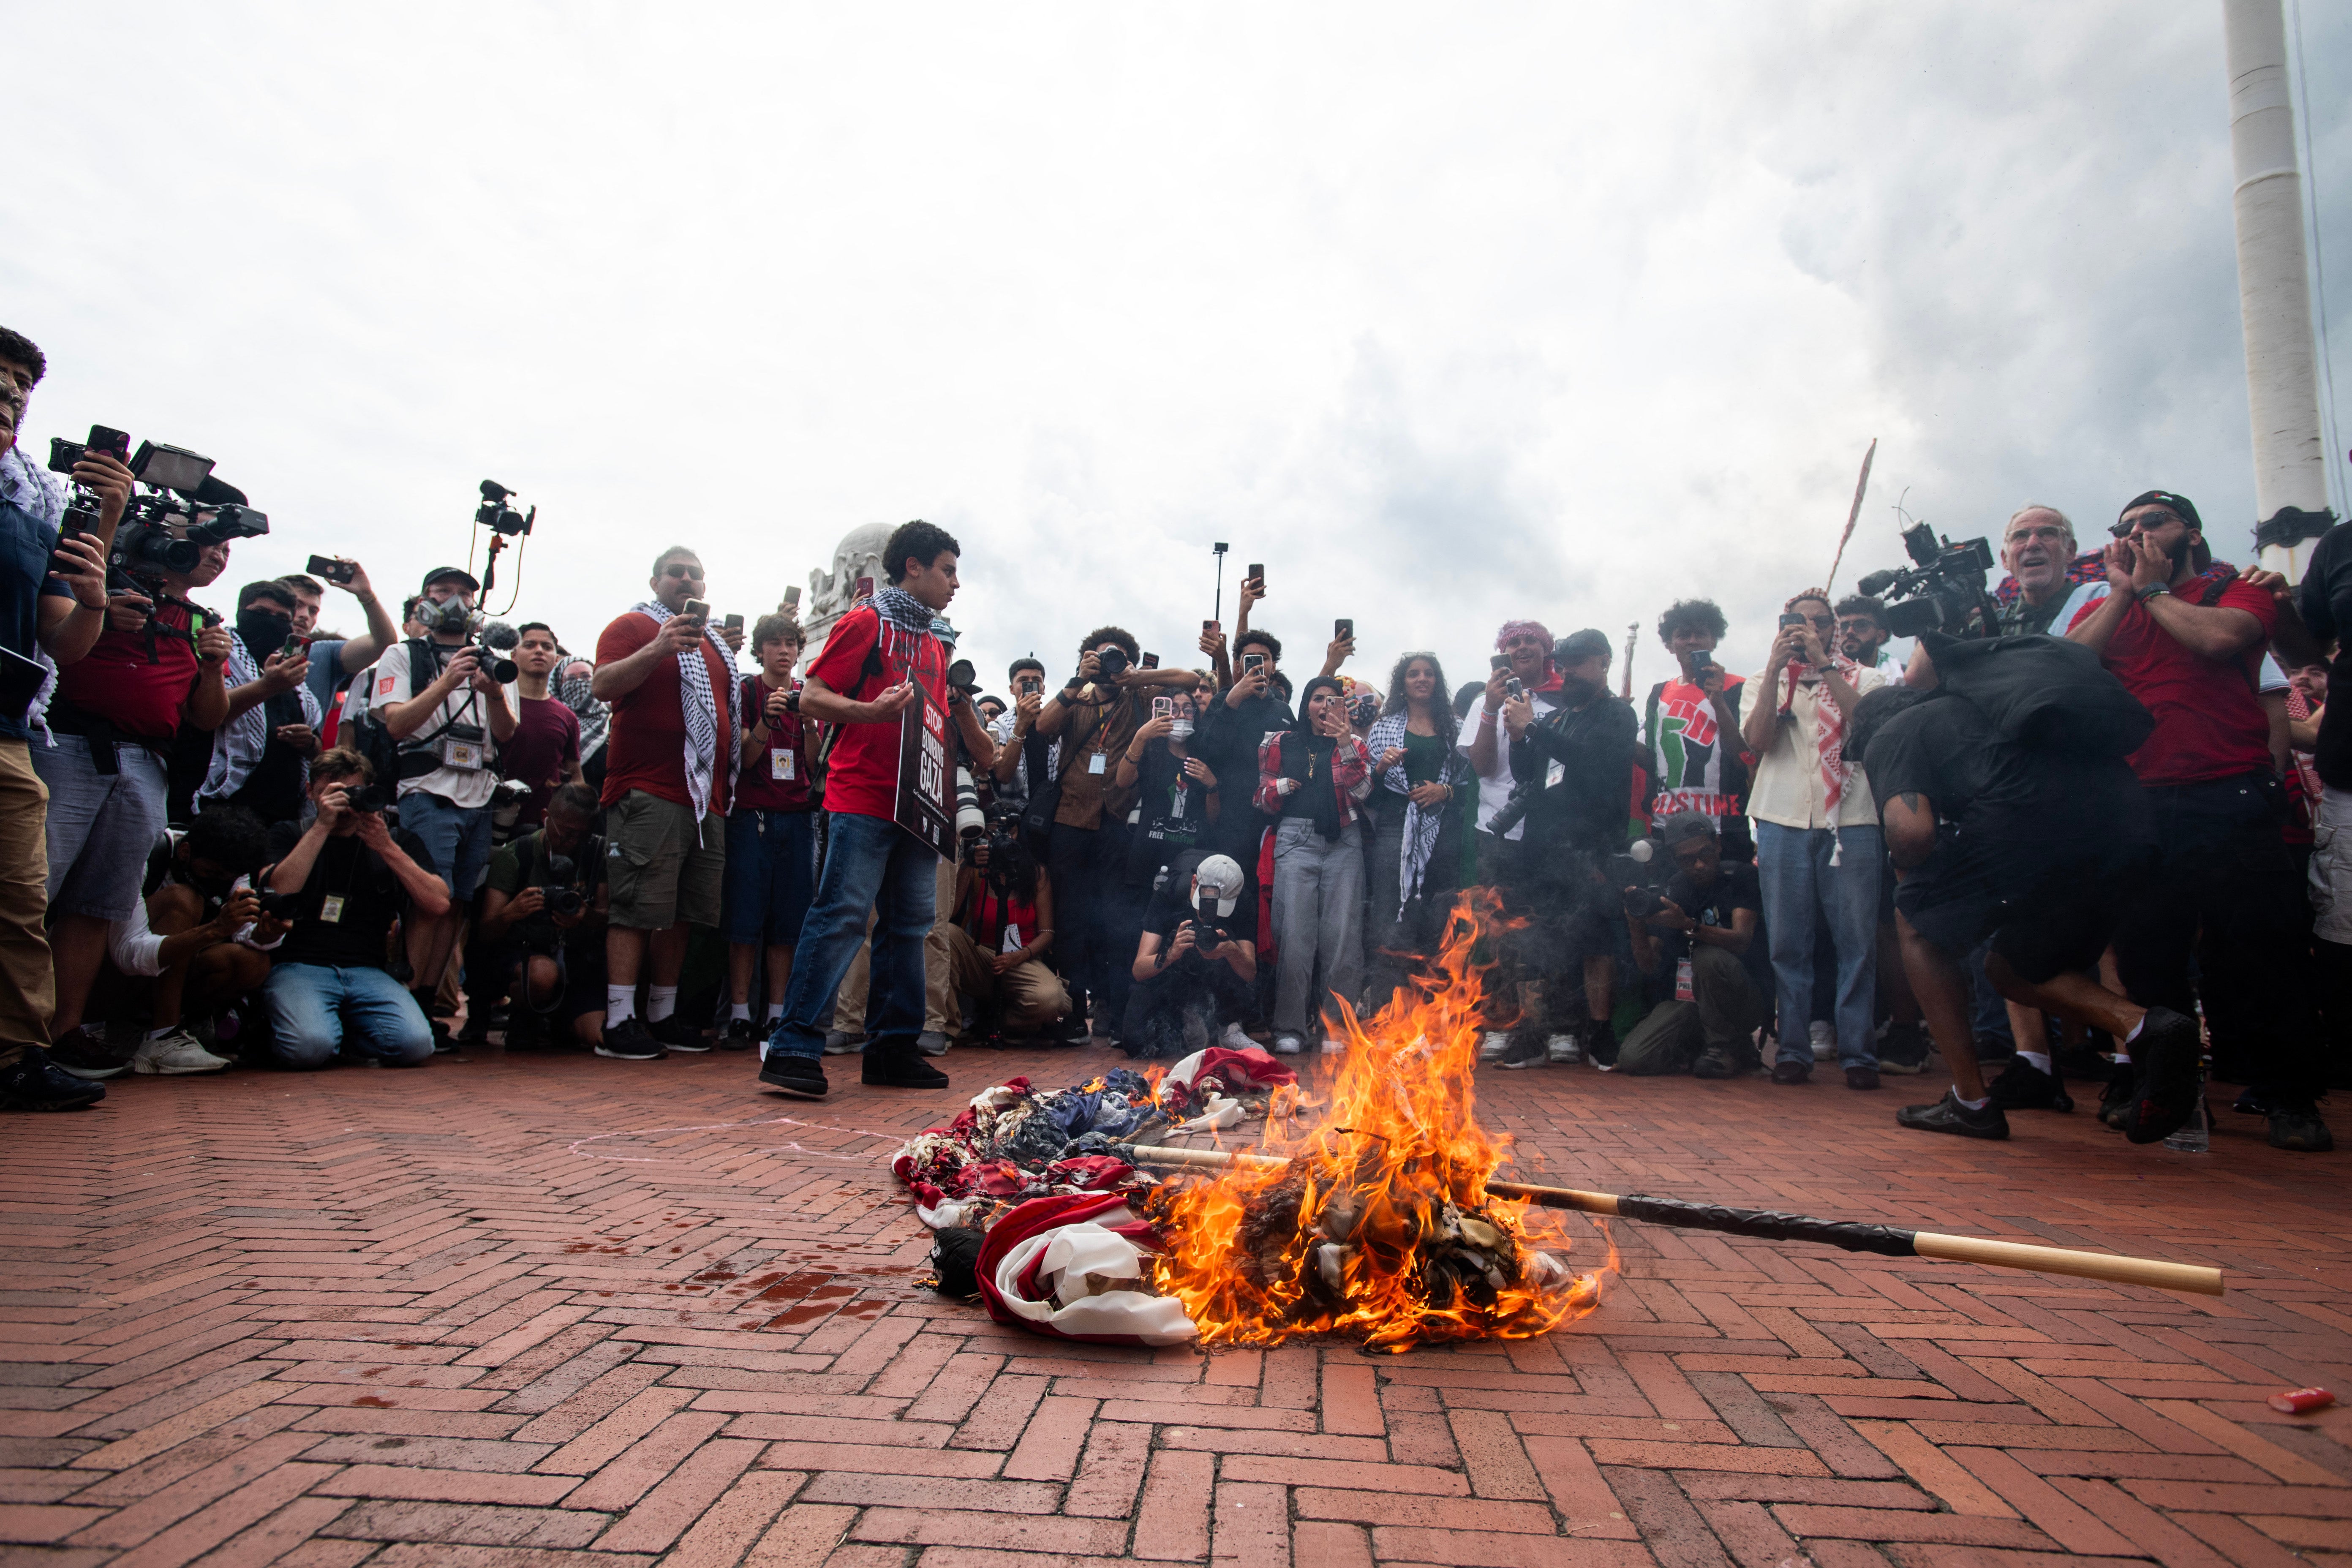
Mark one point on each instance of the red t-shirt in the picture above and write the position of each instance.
(645, 746)
(776, 779)
(139, 680)
(2208, 724)
(545, 744)
(862, 777)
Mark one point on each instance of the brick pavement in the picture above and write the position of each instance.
(572, 1311)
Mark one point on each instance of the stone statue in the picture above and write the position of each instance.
(832, 593)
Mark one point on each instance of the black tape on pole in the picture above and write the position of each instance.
(1769, 1224)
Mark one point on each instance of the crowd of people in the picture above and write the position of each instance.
(2088, 831)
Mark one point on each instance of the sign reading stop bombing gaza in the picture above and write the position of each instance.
(924, 779)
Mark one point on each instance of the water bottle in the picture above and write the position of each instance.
(2196, 1134)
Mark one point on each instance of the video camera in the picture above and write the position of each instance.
(181, 489)
(499, 517)
(1943, 590)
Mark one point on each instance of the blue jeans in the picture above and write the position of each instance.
(870, 863)
(309, 1004)
(457, 840)
(1794, 866)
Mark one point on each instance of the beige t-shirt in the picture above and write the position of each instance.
(1787, 787)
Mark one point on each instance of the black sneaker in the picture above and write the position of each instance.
(1903, 1051)
(803, 1076)
(2166, 1096)
(742, 1035)
(1948, 1115)
(906, 1070)
(37, 1083)
(1526, 1050)
(1715, 1061)
(1600, 1043)
(1071, 1030)
(2116, 1097)
(2299, 1130)
(2254, 1102)
(1792, 1072)
(1861, 1078)
(627, 1041)
(2024, 1087)
(679, 1035)
(86, 1053)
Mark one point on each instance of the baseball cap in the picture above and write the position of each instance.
(1578, 647)
(439, 573)
(2177, 503)
(1220, 877)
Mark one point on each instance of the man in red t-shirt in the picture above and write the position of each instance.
(670, 766)
(2184, 635)
(880, 659)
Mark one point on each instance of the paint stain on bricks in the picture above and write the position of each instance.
(372, 1403)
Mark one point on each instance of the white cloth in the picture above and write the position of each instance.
(1787, 788)
(699, 706)
(392, 682)
(1071, 1254)
(1494, 788)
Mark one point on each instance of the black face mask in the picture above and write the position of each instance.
(264, 631)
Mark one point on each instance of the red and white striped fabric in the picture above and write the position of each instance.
(1054, 1265)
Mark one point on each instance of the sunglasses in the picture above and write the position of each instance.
(694, 572)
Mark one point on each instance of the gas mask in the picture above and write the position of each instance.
(450, 614)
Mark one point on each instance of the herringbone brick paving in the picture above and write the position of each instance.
(572, 1311)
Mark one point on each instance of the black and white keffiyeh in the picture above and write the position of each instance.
(698, 704)
(1421, 828)
(908, 641)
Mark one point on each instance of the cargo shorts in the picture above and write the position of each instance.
(664, 867)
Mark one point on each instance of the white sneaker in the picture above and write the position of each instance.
(1491, 1047)
(1563, 1049)
(1285, 1045)
(1824, 1037)
(1234, 1039)
(177, 1052)
(932, 1043)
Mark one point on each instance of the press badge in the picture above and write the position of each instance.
(1094, 764)
(1683, 990)
(780, 763)
(1012, 943)
(1554, 771)
(461, 754)
(331, 908)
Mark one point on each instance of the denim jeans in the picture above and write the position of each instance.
(1794, 866)
(870, 863)
(310, 1004)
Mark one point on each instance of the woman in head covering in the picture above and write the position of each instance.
(1314, 778)
(1420, 782)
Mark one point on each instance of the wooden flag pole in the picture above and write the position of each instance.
(1853, 515)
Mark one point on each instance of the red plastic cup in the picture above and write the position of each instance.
(2301, 1400)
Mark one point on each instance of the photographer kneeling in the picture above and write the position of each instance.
(1193, 967)
(1701, 935)
(349, 877)
(543, 916)
(2038, 850)
(996, 946)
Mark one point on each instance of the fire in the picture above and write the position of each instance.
(1381, 1228)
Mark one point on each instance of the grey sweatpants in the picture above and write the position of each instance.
(1318, 912)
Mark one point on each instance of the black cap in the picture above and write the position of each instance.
(1578, 647)
(2181, 504)
(439, 573)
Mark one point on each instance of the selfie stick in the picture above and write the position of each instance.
(1220, 548)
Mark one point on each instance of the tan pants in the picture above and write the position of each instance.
(940, 1013)
(1030, 995)
(28, 983)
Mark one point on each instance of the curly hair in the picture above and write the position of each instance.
(1441, 710)
(1120, 635)
(769, 628)
(1692, 615)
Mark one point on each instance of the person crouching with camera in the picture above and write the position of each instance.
(1003, 931)
(543, 920)
(350, 877)
(449, 715)
(1195, 962)
(1698, 941)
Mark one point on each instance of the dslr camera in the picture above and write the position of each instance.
(452, 615)
(1942, 590)
(1111, 662)
(562, 897)
(1637, 876)
(280, 906)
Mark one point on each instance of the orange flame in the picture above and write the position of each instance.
(1381, 1228)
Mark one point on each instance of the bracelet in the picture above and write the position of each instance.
(1486, 718)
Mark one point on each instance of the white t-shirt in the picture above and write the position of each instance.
(465, 787)
(1494, 788)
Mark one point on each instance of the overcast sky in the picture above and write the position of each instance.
(1446, 315)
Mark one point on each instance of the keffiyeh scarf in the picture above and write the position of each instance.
(1829, 737)
(1421, 828)
(699, 706)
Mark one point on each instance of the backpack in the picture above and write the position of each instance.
(2044, 692)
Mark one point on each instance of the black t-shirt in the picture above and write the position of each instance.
(1736, 888)
(2325, 601)
(1589, 805)
(1172, 812)
(524, 864)
(1995, 790)
(1227, 739)
(1171, 906)
(372, 898)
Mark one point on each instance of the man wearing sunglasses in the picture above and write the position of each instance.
(670, 756)
(2184, 635)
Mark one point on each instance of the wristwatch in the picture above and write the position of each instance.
(2152, 590)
